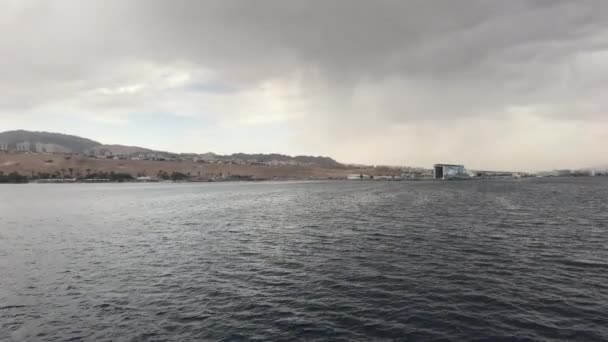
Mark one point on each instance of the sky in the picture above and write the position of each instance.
(496, 85)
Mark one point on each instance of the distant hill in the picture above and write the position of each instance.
(118, 149)
(321, 161)
(56, 141)
(63, 143)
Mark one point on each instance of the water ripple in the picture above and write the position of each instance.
(328, 261)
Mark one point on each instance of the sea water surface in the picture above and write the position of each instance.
(316, 261)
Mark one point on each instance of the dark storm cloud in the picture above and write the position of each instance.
(350, 40)
(476, 43)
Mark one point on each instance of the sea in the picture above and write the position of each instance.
(488, 260)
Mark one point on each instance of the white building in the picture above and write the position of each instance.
(50, 148)
(449, 171)
(24, 146)
(3, 147)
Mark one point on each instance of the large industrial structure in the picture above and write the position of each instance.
(449, 171)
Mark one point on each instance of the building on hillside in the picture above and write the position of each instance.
(24, 146)
(50, 148)
(3, 147)
(449, 171)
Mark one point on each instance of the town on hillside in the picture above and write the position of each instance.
(57, 158)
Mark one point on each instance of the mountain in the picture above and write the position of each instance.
(118, 150)
(61, 143)
(321, 161)
(54, 142)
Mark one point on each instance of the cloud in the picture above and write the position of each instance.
(354, 78)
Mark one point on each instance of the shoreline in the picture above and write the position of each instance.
(55, 182)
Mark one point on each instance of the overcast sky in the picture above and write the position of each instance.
(513, 85)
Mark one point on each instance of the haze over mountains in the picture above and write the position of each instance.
(23, 140)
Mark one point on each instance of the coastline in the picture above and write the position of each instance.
(59, 167)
